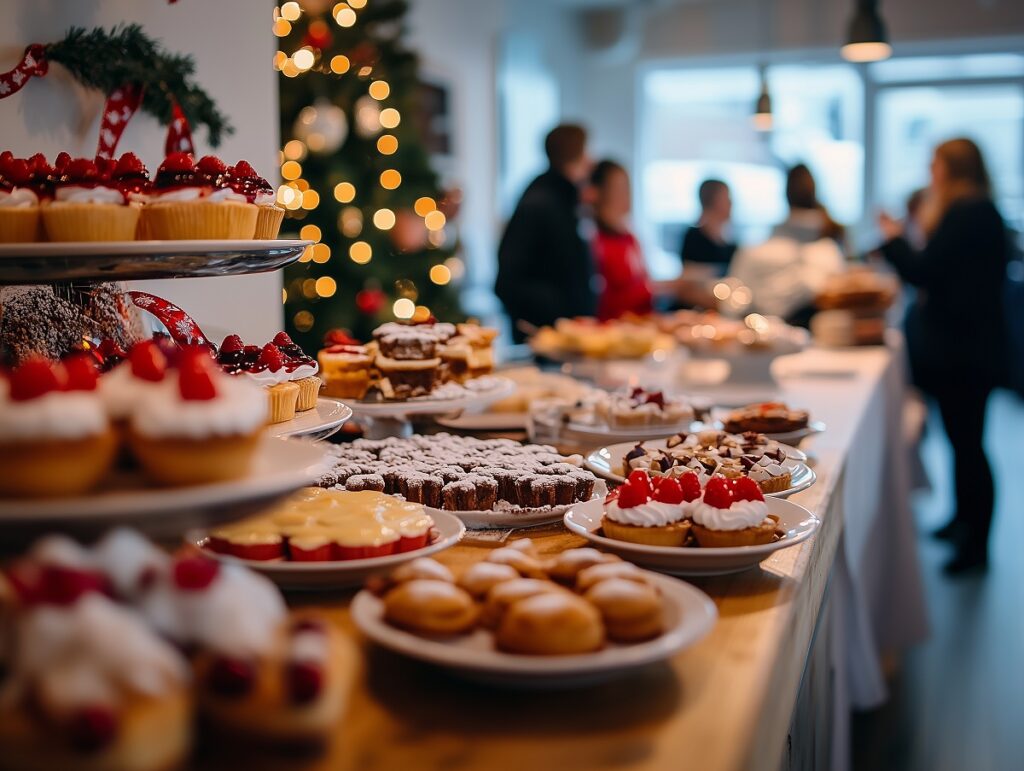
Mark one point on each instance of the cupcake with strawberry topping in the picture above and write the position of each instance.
(185, 203)
(242, 178)
(650, 512)
(202, 427)
(44, 176)
(733, 512)
(55, 439)
(88, 206)
(142, 372)
(131, 177)
(19, 204)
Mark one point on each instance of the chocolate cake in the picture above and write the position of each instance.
(461, 473)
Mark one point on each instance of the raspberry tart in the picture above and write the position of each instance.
(55, 439)
(19, 204)
(733, 513)
(189, 201)
(243, 179)
(651, 512)
(88, 206)
(204, 426)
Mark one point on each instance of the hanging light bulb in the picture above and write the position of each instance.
(866, 40)
(763, 106)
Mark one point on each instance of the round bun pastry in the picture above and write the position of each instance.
(631, 611)
(551, 624)
(525, 565)
(481, 577)
(587, 577)
(429, 606)
(422, 567)
(501, 597)
(566, 566)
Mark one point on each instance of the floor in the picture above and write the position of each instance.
(957, 702)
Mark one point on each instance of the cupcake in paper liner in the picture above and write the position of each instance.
(243, 179)
(87, 206)
(19, 205)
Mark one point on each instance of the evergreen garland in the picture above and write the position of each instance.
(126, 55)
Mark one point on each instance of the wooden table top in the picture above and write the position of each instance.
(724, 704)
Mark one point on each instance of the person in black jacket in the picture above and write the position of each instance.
(706, 251)
(545, 269)
(955, 329)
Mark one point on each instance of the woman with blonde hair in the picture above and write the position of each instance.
(955, 328)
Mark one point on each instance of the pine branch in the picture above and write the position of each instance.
(126, 55)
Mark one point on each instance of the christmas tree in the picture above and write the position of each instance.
(357, 177)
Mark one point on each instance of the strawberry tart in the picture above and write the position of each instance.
(55, 438)
(281, 367)
(732, 513)
(652, 512)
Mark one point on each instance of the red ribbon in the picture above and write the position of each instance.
(179, 133)
(180, 326)
(121, 106)
(32, 63)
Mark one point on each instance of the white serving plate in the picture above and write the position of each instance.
(318, 423)
(502, 388)
(603, 432)
(689, 615)
(124, 260)
(341, 573)
(280, 467)
(483, 520)
(485, 421)
(606, 462)
(797, 522)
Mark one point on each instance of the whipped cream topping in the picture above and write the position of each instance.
(265, 199)
(19, 198)
(61, 551)
(650, 514)
(126, 558)
(56, 415)
(120, 391)
(226, 194)
(237, 615)
(97, 194)
(179, 194)
(304, 371)
(740, 515)
(266, 378)
(238, 408)
(92, 653)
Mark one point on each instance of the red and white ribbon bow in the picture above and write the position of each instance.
(121, 106)
(32, 63)
(179, 133)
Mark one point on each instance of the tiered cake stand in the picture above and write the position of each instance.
(282, 465)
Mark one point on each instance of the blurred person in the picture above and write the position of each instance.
(955, 327)
(707, 250)
(808, 220)
(625, 287)
(545, 270)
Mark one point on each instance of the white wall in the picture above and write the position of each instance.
(232, 45)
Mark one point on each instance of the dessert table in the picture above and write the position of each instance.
(798, 643)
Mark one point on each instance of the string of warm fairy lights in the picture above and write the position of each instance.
(372, 117)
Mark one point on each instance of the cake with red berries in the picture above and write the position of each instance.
(732, 512)
(142, 372)
(19, 203)
(243, 179)
(204, 426)
(88, 206)
(192, 201)
(346, 366)
(634, 407)
(654, 512)
(55, 438)
(328, 525)
(281, 367)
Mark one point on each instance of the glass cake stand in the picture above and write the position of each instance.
(102, 261)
